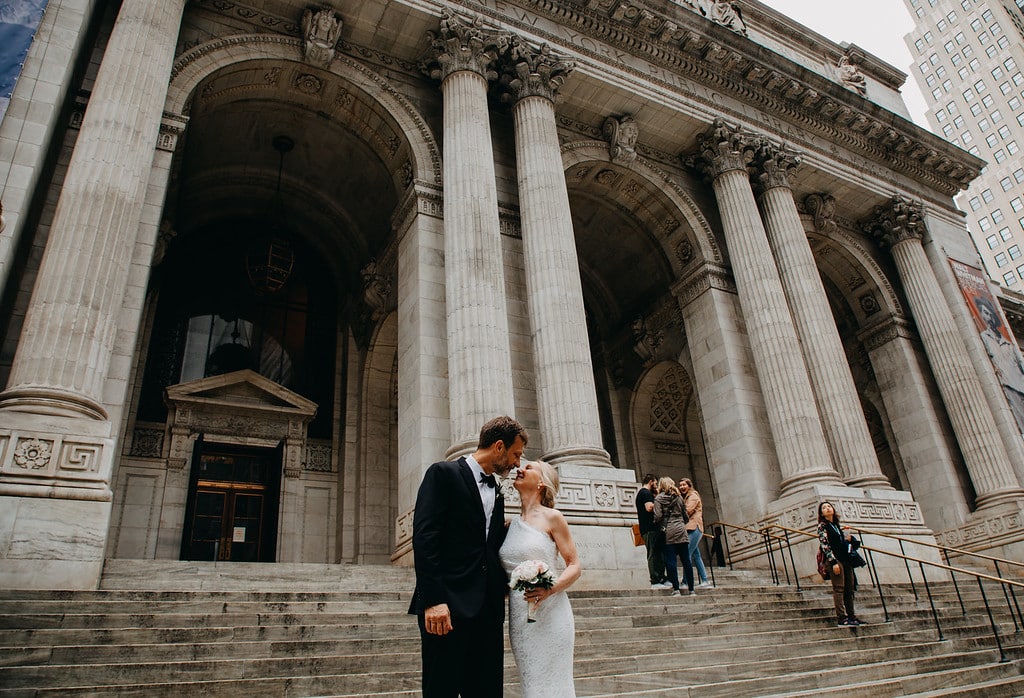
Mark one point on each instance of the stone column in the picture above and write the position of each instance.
(899, 225)
(479, 357)
(799, 441)
(566, 391)
(62, 358)
(56, 436)
(846, 431)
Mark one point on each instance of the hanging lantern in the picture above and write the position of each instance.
(269, 260)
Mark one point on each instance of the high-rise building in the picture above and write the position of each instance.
(968, 58)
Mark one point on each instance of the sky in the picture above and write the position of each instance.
(877, 26)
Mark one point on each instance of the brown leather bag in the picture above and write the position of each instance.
(638, 540)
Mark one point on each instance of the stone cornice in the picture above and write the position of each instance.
(690, 46)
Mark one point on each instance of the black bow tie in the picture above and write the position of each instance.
(489, 479)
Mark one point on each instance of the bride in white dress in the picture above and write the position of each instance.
(543, 649)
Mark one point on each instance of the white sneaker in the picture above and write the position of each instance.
(675, 592)
(693, 593)
(704, 585)
(659, 587)
(666, 585)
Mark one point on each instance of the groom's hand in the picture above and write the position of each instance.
(438, 619)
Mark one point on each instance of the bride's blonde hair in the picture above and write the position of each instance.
(549, 478)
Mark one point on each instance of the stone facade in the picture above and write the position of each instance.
(291, 255)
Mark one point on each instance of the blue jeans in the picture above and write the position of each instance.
(680, 550)
(695, 558)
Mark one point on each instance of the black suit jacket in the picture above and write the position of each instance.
(455, 563)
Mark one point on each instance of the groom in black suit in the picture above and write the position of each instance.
(458, 528)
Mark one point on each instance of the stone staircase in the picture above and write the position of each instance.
(188, 629)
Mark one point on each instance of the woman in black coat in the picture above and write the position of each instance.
(835, 545)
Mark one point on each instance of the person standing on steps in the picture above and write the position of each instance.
(694, 527)
(670, 514)
(835, 544)
(654, 539)
(459, 601)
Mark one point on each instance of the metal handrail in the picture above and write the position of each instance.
(946, 549)
(1008, 586)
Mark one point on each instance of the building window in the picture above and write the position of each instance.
(1003, 131)
(999, 156)
(997, 116)
(991, 140)
(984, 125)
(997, 73)
(991, 51)
(975, 203)
(1018, 175)
(988, 101)
(1003, 42)
(968, 94)
(941, 24)
(1010, 64)
(1013, 102)
(928, 37)
(1015, 203)
(940, 115)
(987, 15)
(1001, 260)
(1013, 251)
(974, 64)
(958, 122)
(984, 224)
(956, 59)
(966, 137)
(1009, 278)
(976, 25)
(997, 216)
(975, 109)
(1005, 234)
(1012, 148)
(959, 38)
(986, 196)
(951, 108)
(948, 46)
(951, 17)
(967, 51)
(919, 45)
(992, 241)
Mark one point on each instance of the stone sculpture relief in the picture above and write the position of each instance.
(320, 31)
(850, 74)
(622, 134)
(726, 13)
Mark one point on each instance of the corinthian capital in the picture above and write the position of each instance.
(462, 44)
(899, 220)
(774, 164)
(723, 148)
(530, 72)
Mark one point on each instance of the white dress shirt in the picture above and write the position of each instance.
(487, 493)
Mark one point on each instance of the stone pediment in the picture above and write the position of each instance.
(239, 391)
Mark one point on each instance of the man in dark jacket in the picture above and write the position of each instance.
(654, 539)
(458, 528)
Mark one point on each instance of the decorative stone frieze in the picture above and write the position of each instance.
(53, 465)
(703, 279)
(147, 441)
(318, 456)
(850, 74)
(985, 533)
(378, 288)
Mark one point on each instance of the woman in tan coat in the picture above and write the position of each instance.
(694, 528)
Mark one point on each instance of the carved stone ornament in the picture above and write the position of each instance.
(895, 222)
(775, 164)
(725, 147)
(823, 207)
(462, 44)
(645, 343)
(33, 454)
(532, 72)
(376, 289)
(320, 32)
(850, 74)
(726, 13)
(622, 134)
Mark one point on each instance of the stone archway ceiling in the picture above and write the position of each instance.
(337, 184)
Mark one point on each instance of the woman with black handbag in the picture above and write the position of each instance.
(836, 545)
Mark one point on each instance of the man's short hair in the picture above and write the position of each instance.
(650, 478)
(504, 429)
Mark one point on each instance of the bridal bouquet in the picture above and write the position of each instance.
(531, 574)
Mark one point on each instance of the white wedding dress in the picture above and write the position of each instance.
(543, 649)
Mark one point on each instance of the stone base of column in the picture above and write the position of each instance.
(55, 500)
(997, 531)
(885, 511)
(52, 543)
(579, 456)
